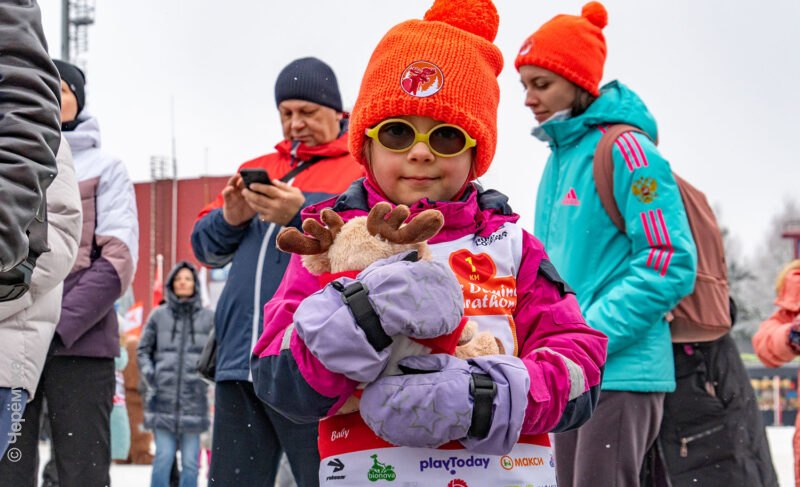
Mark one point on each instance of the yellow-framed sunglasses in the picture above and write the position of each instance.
(398, 135)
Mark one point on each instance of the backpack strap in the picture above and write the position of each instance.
(603, 169)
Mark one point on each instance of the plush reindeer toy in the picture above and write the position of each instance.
(339, 249)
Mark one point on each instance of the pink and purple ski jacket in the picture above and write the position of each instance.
(546, 330)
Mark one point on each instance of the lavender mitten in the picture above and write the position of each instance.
(418, 299)
(348, 325)
(480, 402)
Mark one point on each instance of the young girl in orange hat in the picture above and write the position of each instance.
(425, 127)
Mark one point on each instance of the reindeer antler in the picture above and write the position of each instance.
(419, 229)
(291, 240)
(333, 220)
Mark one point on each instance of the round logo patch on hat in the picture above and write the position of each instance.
(422, 79)
(526, 47)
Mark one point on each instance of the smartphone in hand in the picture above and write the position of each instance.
(250, 176)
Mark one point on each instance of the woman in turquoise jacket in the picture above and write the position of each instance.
(626, 283)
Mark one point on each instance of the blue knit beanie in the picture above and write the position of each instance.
(311, 80)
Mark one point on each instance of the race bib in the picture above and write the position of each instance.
(352, 455)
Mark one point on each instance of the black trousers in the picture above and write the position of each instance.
(249, 438)
(79, 392)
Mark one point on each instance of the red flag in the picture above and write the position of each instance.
(132, 321)
(158, 282)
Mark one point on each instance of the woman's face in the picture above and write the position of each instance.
(546, 93)
(69, 104)
(183, 283)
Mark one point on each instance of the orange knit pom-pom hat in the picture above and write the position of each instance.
(444, 67)
(571, 46)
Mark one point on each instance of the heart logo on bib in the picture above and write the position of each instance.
(472, 268)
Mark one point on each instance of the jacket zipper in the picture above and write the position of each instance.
(180, 378)
(688, 439)
(554, 203)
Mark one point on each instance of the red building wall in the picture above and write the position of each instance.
(154, 203)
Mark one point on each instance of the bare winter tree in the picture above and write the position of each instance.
(740, 274)
(740, 278)
(754, 283)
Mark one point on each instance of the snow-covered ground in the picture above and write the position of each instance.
(780, 443)
(124, 475)
(780, 440)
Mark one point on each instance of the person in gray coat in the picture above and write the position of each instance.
(27, 325)
(176, 405)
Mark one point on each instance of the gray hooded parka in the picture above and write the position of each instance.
(171, 343)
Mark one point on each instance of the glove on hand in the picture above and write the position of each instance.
(435, 405)
(418, 299)
(421, 299)
(794, 335)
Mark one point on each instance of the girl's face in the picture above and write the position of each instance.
(183, 283)
(407, 177)
(546, 93)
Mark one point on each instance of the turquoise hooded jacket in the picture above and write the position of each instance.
(626, 283)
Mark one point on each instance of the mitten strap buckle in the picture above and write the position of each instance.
(483, 391)
(355, 297)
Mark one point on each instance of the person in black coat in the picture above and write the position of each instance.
(176, 405)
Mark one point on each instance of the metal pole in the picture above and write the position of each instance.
(160, 275)
(153, 216)
(65, 31)
(794, 236)
(776, 400)
(174, 232)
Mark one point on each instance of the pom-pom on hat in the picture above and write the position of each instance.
(444, 66)
(571, 46)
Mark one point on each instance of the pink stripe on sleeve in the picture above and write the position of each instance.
(641, 151)
(625, 155)
(649, 238)
(604, 129)
(647, 230)
(666, 262)
(664, 227)
(658, 239)
(670, 250)
(625, 137)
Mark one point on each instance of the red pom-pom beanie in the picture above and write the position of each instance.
(444, 67)
(571, 46)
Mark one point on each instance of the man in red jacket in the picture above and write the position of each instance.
(311, 164)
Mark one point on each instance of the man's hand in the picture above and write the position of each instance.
(235, 209)
(277, 202)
